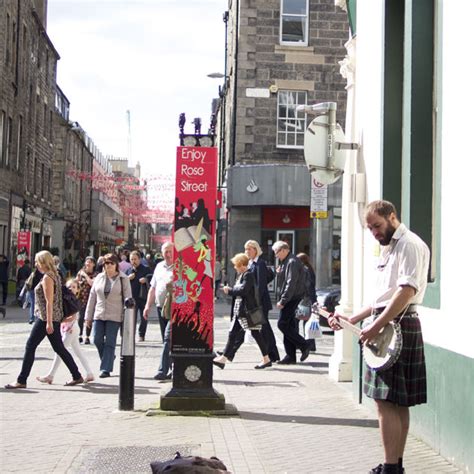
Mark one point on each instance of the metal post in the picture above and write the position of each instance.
(127, 357)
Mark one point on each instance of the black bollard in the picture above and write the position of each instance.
(127, 357)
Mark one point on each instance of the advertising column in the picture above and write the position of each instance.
(193, 303)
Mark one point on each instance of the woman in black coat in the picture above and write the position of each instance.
(244, 296)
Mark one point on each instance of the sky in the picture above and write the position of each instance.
(150, 57)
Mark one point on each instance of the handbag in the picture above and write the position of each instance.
(303, 311)
(255, 317)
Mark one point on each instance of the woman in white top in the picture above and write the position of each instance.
(70, 335)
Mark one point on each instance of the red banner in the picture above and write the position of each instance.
(24, 248)
(194, 256)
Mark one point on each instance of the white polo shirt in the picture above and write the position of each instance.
(403, 262)
(162, 275)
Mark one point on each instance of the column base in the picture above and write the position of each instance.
(340, 369)
(182, 400)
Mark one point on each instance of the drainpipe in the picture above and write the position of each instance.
(236, 62)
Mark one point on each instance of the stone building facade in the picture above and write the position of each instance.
(28, 62)
(281, 53)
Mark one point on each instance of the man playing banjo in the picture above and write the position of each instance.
(401, 284)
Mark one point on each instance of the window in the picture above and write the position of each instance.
(294, 22)
(291, 124)
(8, 140)
(19, 136)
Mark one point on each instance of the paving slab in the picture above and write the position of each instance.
(292, 419)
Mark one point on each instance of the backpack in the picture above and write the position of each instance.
(71, 304)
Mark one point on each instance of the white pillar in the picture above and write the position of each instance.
(340, 363)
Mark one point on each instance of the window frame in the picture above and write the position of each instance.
(302, 116)
(306, 26)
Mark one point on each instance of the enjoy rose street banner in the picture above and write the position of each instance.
(194, 255)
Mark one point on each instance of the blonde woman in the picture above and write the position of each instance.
(49, 313)
(70, 335)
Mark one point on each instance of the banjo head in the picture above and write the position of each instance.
(384, 350)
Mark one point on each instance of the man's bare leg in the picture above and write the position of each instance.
(390, 429)
(404, 414)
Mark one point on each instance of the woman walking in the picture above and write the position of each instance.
(48, 309)
(108, 293)
(70, 332)
(244, 297)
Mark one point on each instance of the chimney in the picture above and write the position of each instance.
(41, 8)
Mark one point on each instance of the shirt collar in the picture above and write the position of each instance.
(400, 232)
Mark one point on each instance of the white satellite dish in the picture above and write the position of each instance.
(323, 157)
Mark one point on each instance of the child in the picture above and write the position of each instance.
(70, 336)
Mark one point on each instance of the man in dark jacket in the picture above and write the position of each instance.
(139, 283)
(290, 291)
(21, 276)
(4, 277)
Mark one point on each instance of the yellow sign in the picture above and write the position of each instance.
(319, 215)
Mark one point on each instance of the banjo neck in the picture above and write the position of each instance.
(342, 322)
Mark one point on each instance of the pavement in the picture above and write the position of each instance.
(291, 419)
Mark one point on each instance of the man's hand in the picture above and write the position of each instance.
(333, 321)
(369, 332)
(142, 280)
(279, 305)
(146, 310)
(88, 323)
(131, 276)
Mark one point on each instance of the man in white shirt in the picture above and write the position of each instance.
(402, 279)
(162, 275)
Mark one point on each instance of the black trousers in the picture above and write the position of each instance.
(288, 325)
(4, 285)
(268, 337)
(140, 305)
(37, 334)
(236, 332)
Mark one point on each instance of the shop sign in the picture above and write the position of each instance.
(24, 247)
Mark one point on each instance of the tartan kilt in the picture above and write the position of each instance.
(405, 382)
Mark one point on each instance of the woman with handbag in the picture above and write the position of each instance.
(49, 312)
(246, 312)
(106, 300)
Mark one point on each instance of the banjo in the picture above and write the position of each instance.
(383, 350)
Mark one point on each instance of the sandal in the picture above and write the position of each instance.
(74, 382)
(45, 379)
(14, 386)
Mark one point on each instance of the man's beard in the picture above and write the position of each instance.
(388, 234)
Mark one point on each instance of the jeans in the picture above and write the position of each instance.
(105, 339)
(82, 315)
(31, 296)
(163, 322)
(288, 325)
(140, 305)
(165, 360)
(37, 334)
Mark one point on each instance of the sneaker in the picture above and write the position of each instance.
(141, 339)
(45, 379)
(80, 339)
(87, 341)
(104, 374)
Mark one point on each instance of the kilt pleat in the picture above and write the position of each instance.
(405, 382)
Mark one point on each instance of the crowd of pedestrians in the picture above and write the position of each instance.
(102, 286)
